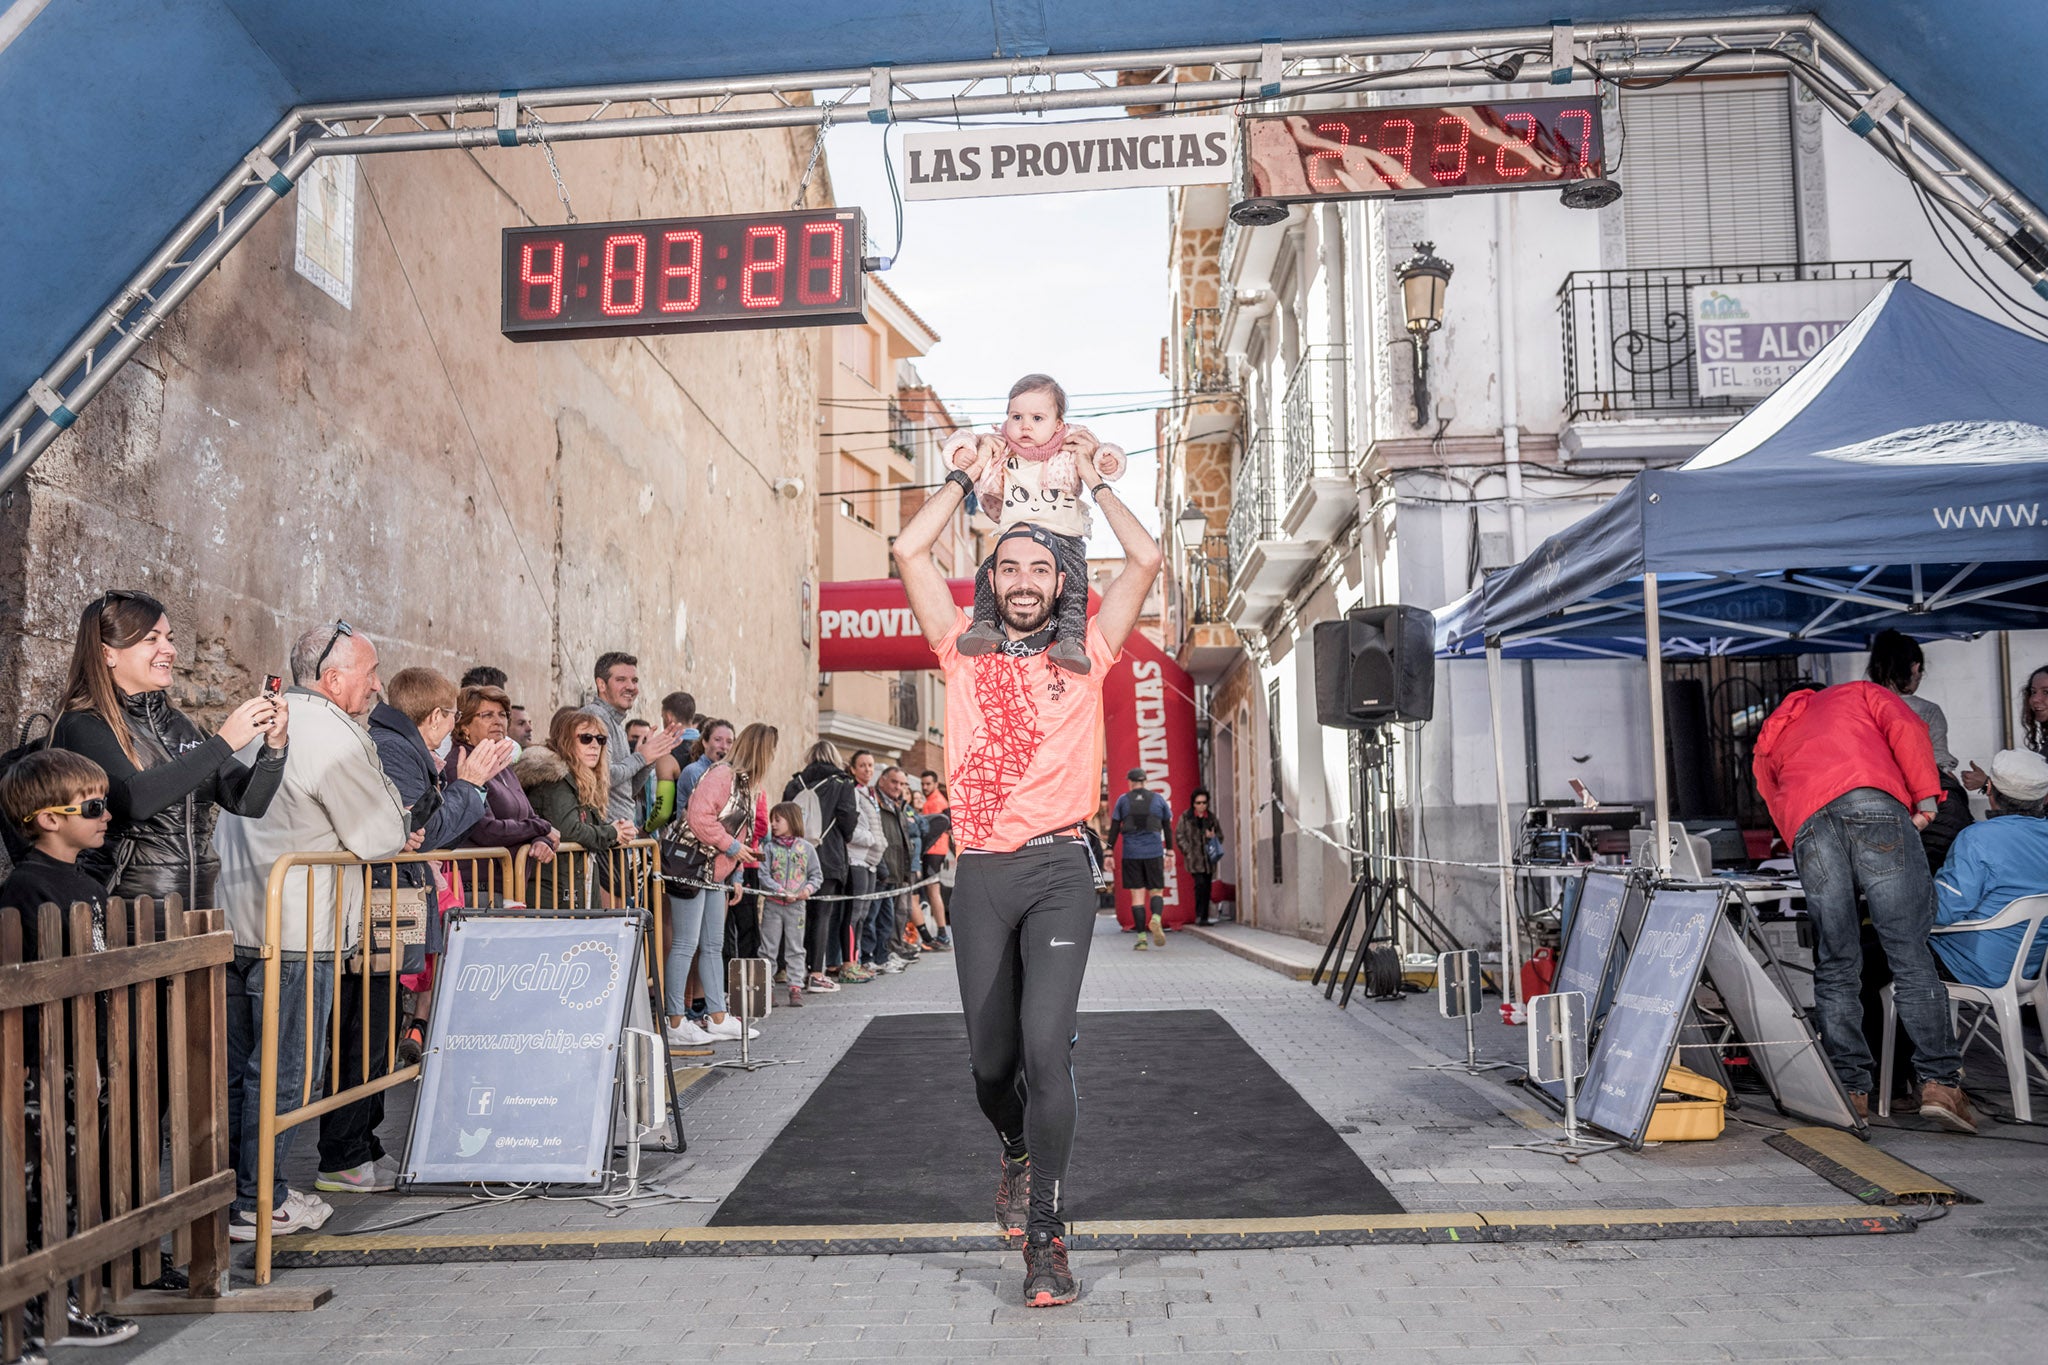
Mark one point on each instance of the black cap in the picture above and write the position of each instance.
(1135, 775)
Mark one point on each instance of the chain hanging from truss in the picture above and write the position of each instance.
(540, 135)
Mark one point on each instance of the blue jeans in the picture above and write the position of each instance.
(696, 939)
(245, 1059)
(1863, 842)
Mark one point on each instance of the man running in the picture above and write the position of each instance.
(1144, 822)
(1024, 773)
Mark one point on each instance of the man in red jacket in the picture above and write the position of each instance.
(1849, 776)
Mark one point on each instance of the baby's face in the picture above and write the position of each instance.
(1033, 418)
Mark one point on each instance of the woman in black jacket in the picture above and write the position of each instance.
(826, 776)
(165, 777)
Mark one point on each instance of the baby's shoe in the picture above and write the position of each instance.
(979, 638)
(1069, 656)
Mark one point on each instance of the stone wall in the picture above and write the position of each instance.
(275, 460)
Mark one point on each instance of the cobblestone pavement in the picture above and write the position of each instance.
(1972, 1285)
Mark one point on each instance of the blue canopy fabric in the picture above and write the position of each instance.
(1899, 479)
(120, 115)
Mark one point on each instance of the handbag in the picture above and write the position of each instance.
(684, 857)
(397, 921)
(1212, 849)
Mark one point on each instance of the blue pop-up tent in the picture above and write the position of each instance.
(1899, 479)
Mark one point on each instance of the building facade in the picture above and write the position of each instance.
(1314, 466)
(333, 427)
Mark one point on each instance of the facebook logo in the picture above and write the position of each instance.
(480, 1098)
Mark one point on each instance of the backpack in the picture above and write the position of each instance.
(813, 812)
(17, 846)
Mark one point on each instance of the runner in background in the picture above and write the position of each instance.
(1021, 737)
(938, 857)
(1145, 823)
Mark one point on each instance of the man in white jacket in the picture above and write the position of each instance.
(334, 799)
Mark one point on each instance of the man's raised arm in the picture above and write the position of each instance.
(1123, 601)
(930, 599)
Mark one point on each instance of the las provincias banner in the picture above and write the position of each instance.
(1148, 700)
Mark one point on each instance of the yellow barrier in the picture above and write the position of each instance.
(626, 875)
(339, 890)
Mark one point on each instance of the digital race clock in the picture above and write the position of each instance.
(1402, 149)
(683, 275)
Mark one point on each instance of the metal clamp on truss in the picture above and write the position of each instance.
(1864, 123)
(881, 98)
(268, 172)
(1561, 60)
(52, 403)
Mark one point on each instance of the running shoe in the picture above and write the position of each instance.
(1142, 944)
(937, 945)
(92, 1329)
(730, 1030)
(796, 997)
(298, 1213)
(821, 984)
(1013, 1197)
(372, 1177)
(1048, 1282)
(687, 1034)
(1158, 931)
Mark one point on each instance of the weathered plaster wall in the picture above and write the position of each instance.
(276, 460)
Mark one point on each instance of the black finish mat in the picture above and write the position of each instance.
(1179, 1119)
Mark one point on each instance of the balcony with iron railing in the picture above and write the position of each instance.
(1628, 335)
(1264, 560)
(1204, 367)
(1253, 516)
(902, 431)
(903, 707)
(1317, 493)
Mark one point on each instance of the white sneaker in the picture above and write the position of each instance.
(687, 1034)
(372, 1177)
(729, 1031)
(293, 1215)
(894, 966)
(316, 1208)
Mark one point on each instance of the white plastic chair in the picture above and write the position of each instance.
(2003, 1002)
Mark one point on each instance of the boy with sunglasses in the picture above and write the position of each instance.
(57, 801)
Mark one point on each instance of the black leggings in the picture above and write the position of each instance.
(1022, 923)
(818, 926)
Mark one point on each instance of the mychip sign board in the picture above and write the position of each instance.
(1655, 991)
(523, 1052)
(1750, 338)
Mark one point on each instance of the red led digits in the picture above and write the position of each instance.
(682, 258)
(531, 279)
(1459, 149)
(754, 269)
(1585, 143)
(1320, 176)
(1403, 153)
(831, 260)
(1513, 160)
(617, 248)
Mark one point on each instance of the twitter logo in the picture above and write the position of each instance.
(472, 1143)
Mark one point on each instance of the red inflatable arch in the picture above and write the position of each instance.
(1148, 700)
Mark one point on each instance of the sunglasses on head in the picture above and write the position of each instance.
(341, 628)
(92, 808)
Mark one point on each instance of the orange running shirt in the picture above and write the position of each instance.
(1021, 742)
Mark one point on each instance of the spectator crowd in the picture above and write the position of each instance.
(838, 882)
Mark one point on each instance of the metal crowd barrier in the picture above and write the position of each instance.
(335, 891)
(111, 1200)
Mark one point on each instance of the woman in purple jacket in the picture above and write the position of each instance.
(485, 713)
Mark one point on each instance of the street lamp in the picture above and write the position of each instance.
(1424, 277)
(1192, 526)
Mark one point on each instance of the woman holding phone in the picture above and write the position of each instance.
(166, 778)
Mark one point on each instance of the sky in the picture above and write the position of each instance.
(1071, 285)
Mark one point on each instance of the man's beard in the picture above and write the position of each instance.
(1025, 620)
